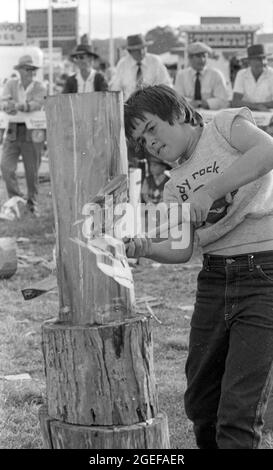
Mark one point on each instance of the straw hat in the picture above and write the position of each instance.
(26, 61)
(137, 41)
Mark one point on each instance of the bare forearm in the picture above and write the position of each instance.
(244, 170)
(171, 251)
(239, 103)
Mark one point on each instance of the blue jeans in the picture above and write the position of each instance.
(230, 364)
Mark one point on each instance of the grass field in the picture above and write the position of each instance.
(20, 333)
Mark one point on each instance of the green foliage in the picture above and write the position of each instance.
(164, 39)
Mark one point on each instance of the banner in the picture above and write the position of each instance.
(12, 34)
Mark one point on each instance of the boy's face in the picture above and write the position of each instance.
(164, 141)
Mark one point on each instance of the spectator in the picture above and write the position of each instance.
(153, 184)
(87, 79)
(203, 86)
(23, 94)
(60, 83)
(138, 68)
(235, 65)
(253, 85)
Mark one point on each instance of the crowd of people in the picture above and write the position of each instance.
(202, 85)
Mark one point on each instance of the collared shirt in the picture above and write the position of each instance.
(213, 86)
(154, 72)
(86, 86)
(252, 90)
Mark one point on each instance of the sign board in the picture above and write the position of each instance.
(64, 3)
(57, 56)
(65, 23)
(12, 34)
(231, 39)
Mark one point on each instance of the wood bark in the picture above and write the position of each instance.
(100, 375)
(86, 149)
(100, 381)
(152, 434)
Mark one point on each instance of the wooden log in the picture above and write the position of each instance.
(101, 389)
(268, 418)
(45, 420)
(146, 435)
(100, 375)
(86, 149)
(8, 257)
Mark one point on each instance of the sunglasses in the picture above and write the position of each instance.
(28, 69)
(80, 56)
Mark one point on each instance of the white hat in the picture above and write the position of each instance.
(26, 61)
(198, 48)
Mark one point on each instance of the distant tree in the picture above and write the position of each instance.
(164, 38)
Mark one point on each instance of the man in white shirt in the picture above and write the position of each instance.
(203, 86)
(138, 68)
(23, 94)
(87, 79)
(253, 86)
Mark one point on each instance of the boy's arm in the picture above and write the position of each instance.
(256, 160)
(167, 251)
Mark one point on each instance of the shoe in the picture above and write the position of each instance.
(33, 209)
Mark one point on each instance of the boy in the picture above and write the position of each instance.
(230, 363)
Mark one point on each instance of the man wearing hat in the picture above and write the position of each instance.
(87, 79)
(253, 86)
(138, 68)
(22, 94)
(203, 86)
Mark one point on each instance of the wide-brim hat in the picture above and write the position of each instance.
(256, 51)
(83, 49)
(198, 48)
(26, 61)
(137, 41)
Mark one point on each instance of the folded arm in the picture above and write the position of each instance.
(238, 102)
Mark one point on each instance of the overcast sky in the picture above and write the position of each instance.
(138, 16)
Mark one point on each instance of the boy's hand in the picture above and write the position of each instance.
(200, 204)
(137, 247)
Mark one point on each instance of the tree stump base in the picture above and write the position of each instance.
(100, 375)
(152, 434)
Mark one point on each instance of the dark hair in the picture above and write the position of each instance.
(161, 101)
